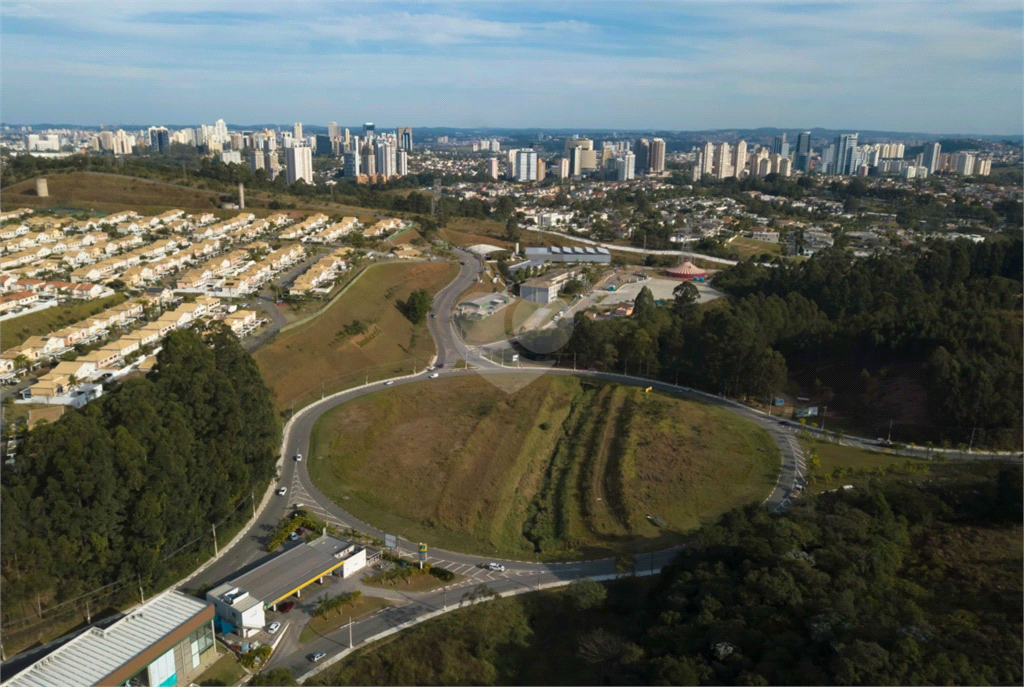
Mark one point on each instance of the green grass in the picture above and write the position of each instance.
(312, 358)
(558, 469)
(362, 607)
(501, 325)
(225, 671)
(747, 247)
(16, 330)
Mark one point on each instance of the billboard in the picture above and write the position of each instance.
(423, 552)
(807, 412)
(390, 541)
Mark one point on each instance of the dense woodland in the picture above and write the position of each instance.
(944, 318)
(127, 488)
(900, 582)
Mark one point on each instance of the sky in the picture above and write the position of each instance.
(899, 65)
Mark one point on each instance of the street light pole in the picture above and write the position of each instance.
(215, 552)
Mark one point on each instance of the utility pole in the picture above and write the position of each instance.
(350, 632)
(823, 412)
(970, 446)
(574, 361)
(446, 597)
(216, 553)
(252, 495)
(141, 596)
(889, 440)
(88, 613)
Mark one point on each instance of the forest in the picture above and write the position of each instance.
(944, 319)
(122, 493)
(902, 581)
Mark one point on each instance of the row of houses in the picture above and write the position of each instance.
(10, 283)
(15, 214)
(382, 227)
(323, 270)
(297, 231)
(334, 231)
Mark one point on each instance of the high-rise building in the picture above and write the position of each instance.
(563, 168)
(492, 168)
(542, 169)
(237, 141)
(402, 160)
(123, 143)
(323, 145)
(256, 160)
(803, 152)
(625, 167)
(299, 164)
(159, 138)
(643, 155)
(368, 163)
(739, 159)
(526, 165)
(369, 130)
(781, 146)
(271, 164)
(220, 131)
(707, 158)
(722, 161)
(931, 156)
(656, 161)
(386, 161)
(404, 138)
(495, 145)
(333, 131)
(965, 164)
(297, 133)
(759, 156)
(231, 157)
(352, 161)
(845, 145)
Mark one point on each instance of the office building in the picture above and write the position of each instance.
(492, 168)
(402, 163)
(333, 131)
(323, 145)
(643, 155)
(526, 165)
(931, 156)
(299, 164)
(352, 161)
(802, 163)
(845, 145)
(656, 163)
(404, 138)
(169, 640)
(159, 138)
(739, 159)
(297, 133)
(369, 130)
(781, 146)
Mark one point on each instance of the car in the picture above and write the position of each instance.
(497, 567)
(434, 376)
(440, 365)
(433, 315)
(293, 536)
(298, 457)
(287, 606)
(274, 627)
(389, 382)
(317, 656)
(282, 491)
(280, 303)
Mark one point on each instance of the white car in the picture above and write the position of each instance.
(274, 627)
(389, 382)
(282, 491)
(434, 376)
(298, 457)
(496, 567)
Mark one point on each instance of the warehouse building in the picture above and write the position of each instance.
(240, 603)
(165, 641)
(568, 254)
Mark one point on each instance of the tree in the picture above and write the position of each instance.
(643, 305)
(685, 302)
(416, 307)
(585, 594)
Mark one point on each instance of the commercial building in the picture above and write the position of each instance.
(299, 163)
(240, 603)
(568, 254)
(166, 641)
(404, 138)
(931, 156)
(803, 152)
(846, 161)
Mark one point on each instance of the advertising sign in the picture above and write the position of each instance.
(391, 541)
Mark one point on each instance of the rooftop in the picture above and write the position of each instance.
(97, 653)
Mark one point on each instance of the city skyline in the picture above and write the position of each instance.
(959, 67)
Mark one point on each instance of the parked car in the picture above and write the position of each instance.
(434, 376)
(497, 567)
(274, 627)
(293, 536)
(282, 491)
(287, 606)
(317, 656)
(440, 365)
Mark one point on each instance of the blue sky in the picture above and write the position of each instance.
(937, 67)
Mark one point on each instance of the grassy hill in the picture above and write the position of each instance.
(558, 469)
(320, 357)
